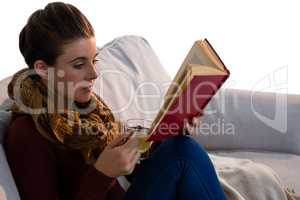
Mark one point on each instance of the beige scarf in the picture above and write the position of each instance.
(89, 132)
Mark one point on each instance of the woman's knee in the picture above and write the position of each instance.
(183, 146)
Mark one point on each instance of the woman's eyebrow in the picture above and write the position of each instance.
(82, 58)
(78, 58)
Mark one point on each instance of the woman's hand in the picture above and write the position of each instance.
(119, 157)
(190, 129)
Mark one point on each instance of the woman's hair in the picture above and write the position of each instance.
(48, 29)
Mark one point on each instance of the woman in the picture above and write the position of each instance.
(63, 142)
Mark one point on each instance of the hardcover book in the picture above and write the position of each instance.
(200, 76)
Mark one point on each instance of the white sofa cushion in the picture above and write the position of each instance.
(8, 188)
(5, 102)
(132, 80)
(4, 121)
(261, 121)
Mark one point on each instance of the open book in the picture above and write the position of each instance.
(200, 76)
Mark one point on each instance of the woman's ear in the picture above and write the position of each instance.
(41, 68)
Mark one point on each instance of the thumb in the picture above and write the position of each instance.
(132, 143)
(189, 128)
(119, 140)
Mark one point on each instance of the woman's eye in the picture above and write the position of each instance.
(78, 66)
(94, 61)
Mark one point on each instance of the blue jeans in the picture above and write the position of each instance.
(178, 169)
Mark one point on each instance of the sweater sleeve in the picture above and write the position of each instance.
(34, 166)
(94, 185)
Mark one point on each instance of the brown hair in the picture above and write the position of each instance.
(48, 29)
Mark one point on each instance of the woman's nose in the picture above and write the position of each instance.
(92, 73)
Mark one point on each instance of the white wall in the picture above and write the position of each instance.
(257, 40)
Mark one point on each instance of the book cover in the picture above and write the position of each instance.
(200, 76)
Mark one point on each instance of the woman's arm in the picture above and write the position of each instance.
(94, 185)
(35, 166)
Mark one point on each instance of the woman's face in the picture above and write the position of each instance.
(76, 70)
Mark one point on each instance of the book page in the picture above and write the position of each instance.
(198, 56)
(198, 70)
(168, 103)
(213, 56)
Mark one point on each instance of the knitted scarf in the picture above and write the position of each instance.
(89, 132)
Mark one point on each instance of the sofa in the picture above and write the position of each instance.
(260, 126)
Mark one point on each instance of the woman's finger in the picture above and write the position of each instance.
(122, 139)
(136, 157)
(132, 144)
(133, 162)
(189, 129)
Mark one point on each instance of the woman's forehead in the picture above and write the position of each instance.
(83, 47)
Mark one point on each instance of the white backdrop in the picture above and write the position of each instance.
(258, 40)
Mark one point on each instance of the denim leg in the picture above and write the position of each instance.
(178, 169)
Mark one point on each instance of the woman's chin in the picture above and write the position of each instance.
(83, 98)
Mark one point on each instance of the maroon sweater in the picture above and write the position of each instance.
(44, 171)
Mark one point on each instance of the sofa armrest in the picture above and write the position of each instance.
(240, 119)
(8, 189)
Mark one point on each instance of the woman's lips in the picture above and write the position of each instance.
(89, 88)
